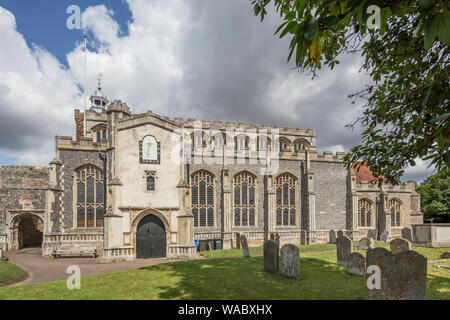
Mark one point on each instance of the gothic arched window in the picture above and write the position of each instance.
(396, 208)
(364, 213)
(202, 198)
(244, 192)
(285, 190)
(89, 197)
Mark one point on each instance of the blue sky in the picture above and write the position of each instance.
(204, 59)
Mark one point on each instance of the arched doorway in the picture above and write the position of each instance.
(30, 230)
(150, 238)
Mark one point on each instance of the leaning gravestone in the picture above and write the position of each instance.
(245, 246)
(270, 256)
(372, 233)
(356, 264)
(290, 261)
(407, 234)
(445, 255)
(332, 238)
(365, 244)
(344, 249)
(340, 233)
(384, 236)
(399, 245)
(403, 276)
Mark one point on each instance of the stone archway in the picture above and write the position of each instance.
(28, 230)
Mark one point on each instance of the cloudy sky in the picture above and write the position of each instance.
(205, 59)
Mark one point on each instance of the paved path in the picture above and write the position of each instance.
(42, 269)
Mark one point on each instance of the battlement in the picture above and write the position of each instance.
(84, 144)
(327, 156)
(407, 187)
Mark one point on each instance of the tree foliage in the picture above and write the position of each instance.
(435, 196)
(406, 108)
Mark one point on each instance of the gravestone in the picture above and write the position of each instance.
(365, 244)
(407, 234)
(344, 249)
(1, 253)
(270, 256)
(356, 264)
(403, 276)
(272, 236)
(372, 233)
(384, 236)
(399, 245)
(332, 237)
(445, 255)
(245, 246)
(238, 240)
(290, 261)
(340, 233)
(277, 240)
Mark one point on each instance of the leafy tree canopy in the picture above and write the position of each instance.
(435, 196)
(405, 46)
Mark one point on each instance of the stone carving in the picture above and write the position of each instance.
(365, 244)
(245, 246)
(372, 233)
(290, 261)
(384, 236)
(332, 238)
(407, 234)
(357, 264)
(403, 275)
(399, 245)
(445, 255)
(340, 233)
(344, 249)
(270, 256)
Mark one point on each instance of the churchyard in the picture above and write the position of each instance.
(227, 274)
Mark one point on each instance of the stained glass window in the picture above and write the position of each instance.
(285, 191)
(396, 208)
(90, 195)
(202, 198)
(244, 184)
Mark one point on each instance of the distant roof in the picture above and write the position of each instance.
(364, 174)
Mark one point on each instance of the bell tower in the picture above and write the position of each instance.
(98, 100)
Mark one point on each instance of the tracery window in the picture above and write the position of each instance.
(202, 198)
(244, 191)
(285, 190)
(150, 176)
(89, 197)
(300, 145)
(284, 144)
(364, 213)
(396, 208)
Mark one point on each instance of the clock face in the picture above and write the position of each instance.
(149, 149)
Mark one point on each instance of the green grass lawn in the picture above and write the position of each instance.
(10, 272)
(227, 275)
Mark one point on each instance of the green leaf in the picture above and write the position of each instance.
(443, 27)
(281, 26)
(330, 21)
(425, 3)
(312, 30)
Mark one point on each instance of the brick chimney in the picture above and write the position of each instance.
(79, 123)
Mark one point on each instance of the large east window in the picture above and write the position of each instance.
(244, 190)
(89, 197)
(202, 198)
(364, 213)
(286, 209)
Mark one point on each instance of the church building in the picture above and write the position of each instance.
(132, 186)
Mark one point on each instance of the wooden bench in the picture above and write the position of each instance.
(71, 252)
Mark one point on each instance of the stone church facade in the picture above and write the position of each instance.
(142, 185)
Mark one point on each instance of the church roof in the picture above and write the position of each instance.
(364, 174)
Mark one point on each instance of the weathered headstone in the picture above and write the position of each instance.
(384, 236)
(270, 256)
(356, 264)
(407, 234)
(332, 237)
(403, 276)
(365, 244)
(344, 249)
(245, 246)
(372, 233)
(238, 240)
(399, 245)
(340, 233)
(290, 261)
(277, 240)
(445, 255)
(1, 253)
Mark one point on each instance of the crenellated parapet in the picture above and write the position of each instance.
(84, 144)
